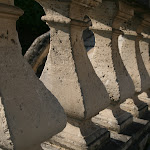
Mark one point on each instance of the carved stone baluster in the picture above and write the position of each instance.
(29, 113)
(133, 62)
(69, 74)
(128, 51)
(108, 64)
(143, 43)
(126, 85)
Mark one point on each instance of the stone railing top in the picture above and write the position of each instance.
(56, 15)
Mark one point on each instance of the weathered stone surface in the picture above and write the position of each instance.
(145, 97)
(143, 48)
(81, 82)
(29, 113)
(107, 62)
(113, 118)
(128, 51)
(133, 138)
(131, 56)
(134, 106)
(123, 62)
(81, 136)
(101, 54)
(70, 76)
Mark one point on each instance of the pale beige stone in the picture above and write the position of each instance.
(143, 48)
(142, 57)
(131, 57)
(144, 42)
(81, 82)
(101, 55)
(79, 135)
(113, 118)
(29, 113)
(145, 97)
(134, 106)
(69, 74)
(107, 62)
(106, 58)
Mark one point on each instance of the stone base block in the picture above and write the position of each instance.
(113, 118)
(145, 98)
(83, 136)
(139, 133)
(134, 106)
(134, 137)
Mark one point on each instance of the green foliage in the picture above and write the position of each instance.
(30, 26)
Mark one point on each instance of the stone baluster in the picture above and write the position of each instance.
(69, 74)
(128, 51)
(108, 64)
(132, 59)
(143, 42)
(29, 113)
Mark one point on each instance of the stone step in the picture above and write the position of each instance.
(134, 137)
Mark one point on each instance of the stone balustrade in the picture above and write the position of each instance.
(70, 76)
(108, 64)
(104, 92)
(110, 58)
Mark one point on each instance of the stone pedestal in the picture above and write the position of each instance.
(70, 76)
(29, 113)
(134, 106)
(145, 97)
(107, 62)
(80, 135)
(131, 56)
(113, 118)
